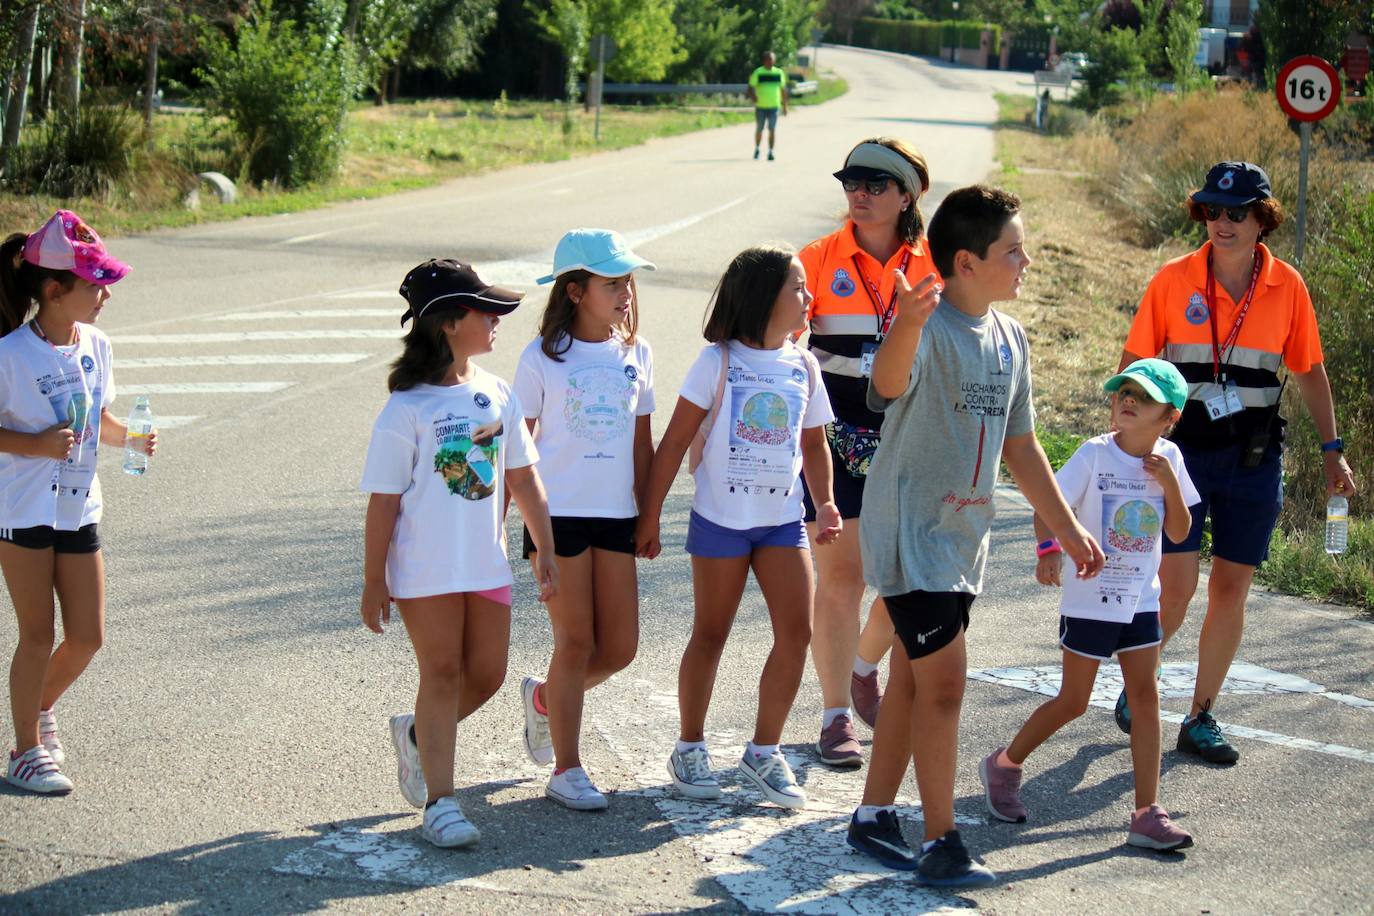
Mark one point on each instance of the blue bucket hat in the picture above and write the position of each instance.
(1234, 184)
(603, 252)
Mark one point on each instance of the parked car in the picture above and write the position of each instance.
(1073, 63)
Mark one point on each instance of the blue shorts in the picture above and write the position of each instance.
(766, 117)
(849, 495)
(707, 539)
(1244, 503)
(1102, 639)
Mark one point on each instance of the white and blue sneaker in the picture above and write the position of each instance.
(774, 779)
(691, 773)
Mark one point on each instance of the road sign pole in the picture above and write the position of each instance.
(1306, 133)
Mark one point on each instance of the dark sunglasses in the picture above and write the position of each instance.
(1234, 214)
(874, 186)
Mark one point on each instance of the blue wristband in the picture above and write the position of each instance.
(1335, 445)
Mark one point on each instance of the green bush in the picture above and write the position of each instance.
(1300, 566)
(922, 37)
(1115, 64)
(285, 89)
(85, 154)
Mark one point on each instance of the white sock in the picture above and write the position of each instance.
(925, 846)
(863, 668)
(685, 746)
(868, 814)
(832, 714)
(761, 750)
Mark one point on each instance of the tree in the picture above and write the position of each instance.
(711, 34)
(1293, 27)
(20, 66)
(842, 14)
(566, 22)
(1181, 43)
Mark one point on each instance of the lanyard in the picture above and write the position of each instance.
(38, 329)
(884, 316)
(1232, 337)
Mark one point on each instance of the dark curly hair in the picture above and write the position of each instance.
(1268, 212)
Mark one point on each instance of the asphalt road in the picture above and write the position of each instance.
(229, 745)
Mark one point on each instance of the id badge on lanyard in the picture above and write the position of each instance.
(868, 351)
(1228, 402)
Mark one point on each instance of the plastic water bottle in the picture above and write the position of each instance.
(1337, 523)
(140, 425)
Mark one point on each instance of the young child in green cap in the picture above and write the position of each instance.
(1127, 488)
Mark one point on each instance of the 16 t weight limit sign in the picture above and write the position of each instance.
(1309, 89)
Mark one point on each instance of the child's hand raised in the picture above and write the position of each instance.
(647, 545)
(376, 606)
(917, 302)
(828, 523)
(1047, 568)
(1158, 467)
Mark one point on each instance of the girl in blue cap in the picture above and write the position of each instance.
(1127, 488)
(445, 450)
(753, 410)
(587, 391)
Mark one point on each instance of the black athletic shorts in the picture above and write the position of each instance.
(574, 534)
(42, 537)
(926, 622)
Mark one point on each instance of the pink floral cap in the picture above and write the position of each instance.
(66, 243)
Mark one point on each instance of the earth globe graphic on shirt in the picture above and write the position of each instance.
(764, 420)
(1134, 528)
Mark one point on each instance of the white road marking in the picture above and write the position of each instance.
(401, 858)
(206, 388)
(367, 294)
(240, 336)
(306, 313)
(172, 421)
(238, 359)
(1177, 681)
(319, 235)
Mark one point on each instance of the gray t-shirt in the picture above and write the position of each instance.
(928, 499)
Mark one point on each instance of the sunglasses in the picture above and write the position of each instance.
(874, 186)
(1234, 214)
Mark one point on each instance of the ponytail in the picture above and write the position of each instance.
(21, 283)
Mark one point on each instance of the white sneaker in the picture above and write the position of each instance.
(408, 773)
(35, 771)
(538, 743)
(446, 826)
(573, 789)
(774, 779)
(691, 772)
(47, 736)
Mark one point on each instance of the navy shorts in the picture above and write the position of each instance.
(926, 622)
(573, 534)
(766, 117)
(1244, 503)
(85, 539)
(1102, 639)
(849, 495)
(707, 539)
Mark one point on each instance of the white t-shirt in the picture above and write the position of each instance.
(1123, 507)
(749, 476)
(586, 406)
(41, 385)
(446, 451)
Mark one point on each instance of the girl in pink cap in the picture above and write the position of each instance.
(56, 386)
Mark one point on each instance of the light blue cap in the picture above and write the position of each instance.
(603, 252)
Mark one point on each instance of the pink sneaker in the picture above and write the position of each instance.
(867, 695)
(839, 747)
(1152, 829)
(1002, 789)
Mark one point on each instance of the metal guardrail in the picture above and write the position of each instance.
(803, 87)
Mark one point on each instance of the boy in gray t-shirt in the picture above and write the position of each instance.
(953, 380)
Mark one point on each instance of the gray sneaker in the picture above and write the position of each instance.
(538, 741)
(691, 773)
(1002, 789)
(774, 779)
(408, 773)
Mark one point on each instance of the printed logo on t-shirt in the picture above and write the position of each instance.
(842, 285)
(466, 455)
(596, 405)
(481, 400)
(87, 364)
(631, 373)
(1196, 312)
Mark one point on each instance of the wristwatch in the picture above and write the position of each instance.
(1335, 445)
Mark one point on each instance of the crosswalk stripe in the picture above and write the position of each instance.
(237, 359)
(239, 336)
(306, 313)
(172, 421)
(206, 388)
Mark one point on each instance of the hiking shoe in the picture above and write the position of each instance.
(409, 776)
(47, 736)
(573, 789)
(35, 771)
(867, 695)
(1123, 713)
(691, 773)
(948, 864)
(538, 743)
(770, 155)
(447, 826)
(773, 777)
(839, 747)
(1002, 789)
(1201, 735)
(882, 839)
(1152, 829)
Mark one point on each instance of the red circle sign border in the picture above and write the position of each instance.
(1322, 64)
